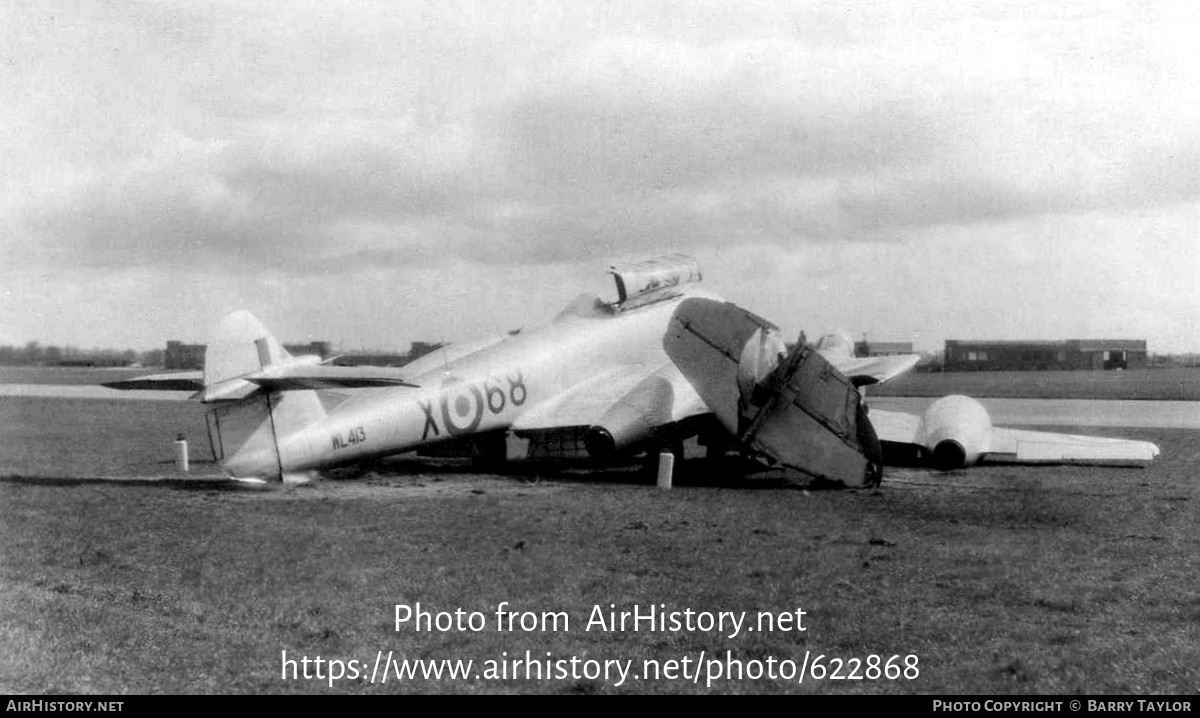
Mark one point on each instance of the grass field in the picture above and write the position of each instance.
(999, 579)
(89, 437)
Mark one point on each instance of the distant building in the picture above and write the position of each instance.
(1036, 355)
(372, 359)
(881, 349)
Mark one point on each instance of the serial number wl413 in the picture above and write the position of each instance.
(354, 436)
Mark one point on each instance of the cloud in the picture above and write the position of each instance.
(624, 141)
(324, 141)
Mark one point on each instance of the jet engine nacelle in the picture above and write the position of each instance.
(957, 429)
(632, 419)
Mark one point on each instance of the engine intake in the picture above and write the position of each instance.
(957, 429)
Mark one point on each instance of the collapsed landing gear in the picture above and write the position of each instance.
(490, 451)
(716, 445)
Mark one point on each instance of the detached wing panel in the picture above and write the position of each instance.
(1016, 446)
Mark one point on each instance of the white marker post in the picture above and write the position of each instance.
(181, 454)
(666, 467)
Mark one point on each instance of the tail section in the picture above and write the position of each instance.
(249, 428)
(240, 345)
(264, 400)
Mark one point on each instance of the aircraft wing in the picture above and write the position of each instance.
(897, 427)
(956, 431)
(292, 377)
(661, 395)
(863, 371)
(282, 377)
(1015, 446)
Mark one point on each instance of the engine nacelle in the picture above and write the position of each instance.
(957, 429)
(632, 419)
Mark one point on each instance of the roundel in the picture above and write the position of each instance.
(462, 406)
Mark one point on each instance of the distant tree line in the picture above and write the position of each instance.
(36, 354)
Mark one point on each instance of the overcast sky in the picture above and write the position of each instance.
(377, 173)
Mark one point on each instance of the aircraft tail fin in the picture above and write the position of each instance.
(240, 346)
(249, 428)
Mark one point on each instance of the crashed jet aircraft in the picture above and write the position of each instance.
(665, 362)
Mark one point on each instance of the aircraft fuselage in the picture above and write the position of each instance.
(483, 391)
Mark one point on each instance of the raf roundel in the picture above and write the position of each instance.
(462, 407)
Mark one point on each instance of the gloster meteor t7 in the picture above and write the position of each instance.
(664, 362)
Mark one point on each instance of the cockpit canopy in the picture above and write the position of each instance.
(654, 278)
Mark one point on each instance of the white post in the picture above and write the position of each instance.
(181, 454)
(666, 466)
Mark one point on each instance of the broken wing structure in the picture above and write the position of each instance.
(665, 362)
(791, 408)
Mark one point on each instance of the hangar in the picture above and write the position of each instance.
(881, 349)
(991, 355)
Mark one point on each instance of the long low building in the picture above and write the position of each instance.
(1036, 355)
(881, 349)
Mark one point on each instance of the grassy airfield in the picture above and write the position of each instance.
(999, 579)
